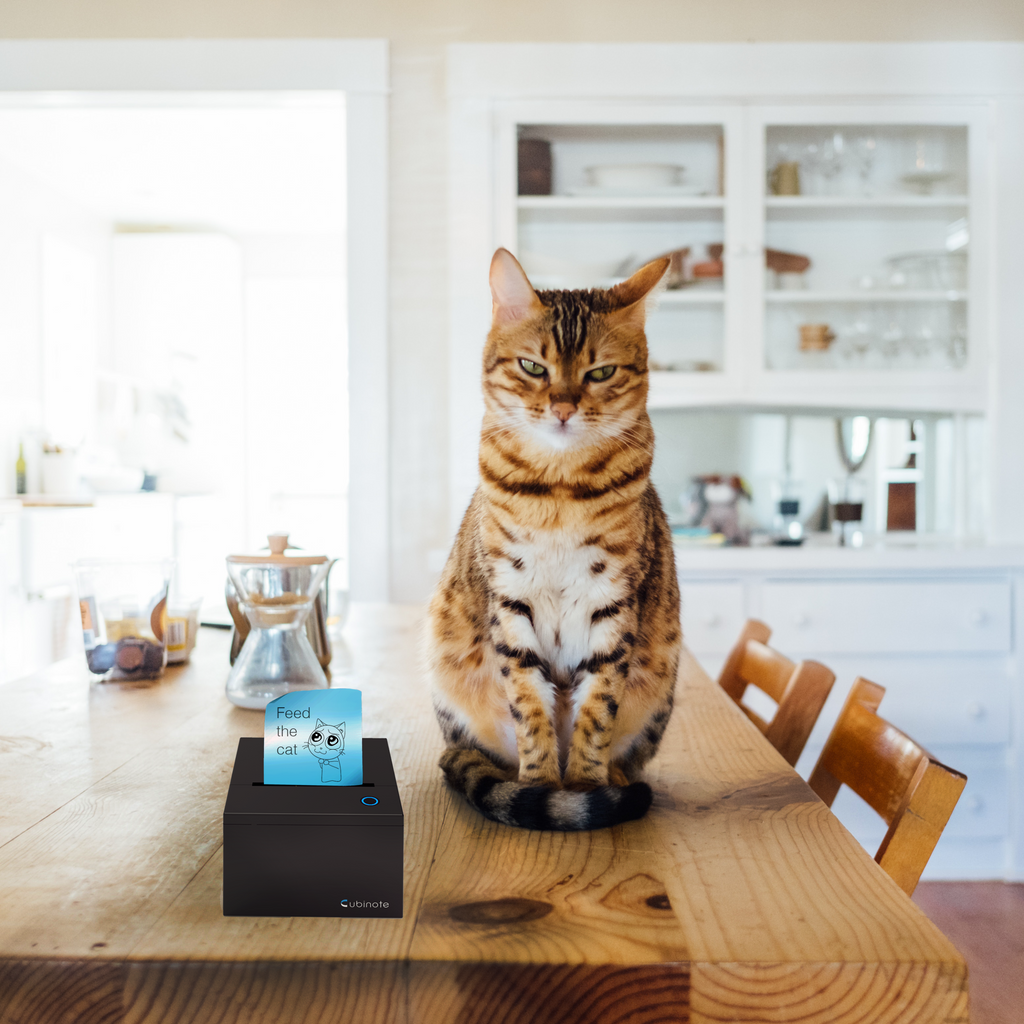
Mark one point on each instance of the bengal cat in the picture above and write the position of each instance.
(554, 632)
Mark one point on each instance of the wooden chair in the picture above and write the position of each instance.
(799, 690)
(914, 793)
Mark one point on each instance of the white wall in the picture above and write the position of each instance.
(36, 221)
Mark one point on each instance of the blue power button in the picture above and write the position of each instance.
(370, 801)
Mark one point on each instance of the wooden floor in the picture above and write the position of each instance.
(985, 921)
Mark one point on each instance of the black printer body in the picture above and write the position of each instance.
(313, 851)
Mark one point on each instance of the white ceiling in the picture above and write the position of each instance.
(263, 169)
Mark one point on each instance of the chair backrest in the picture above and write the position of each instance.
(799, 690)
(898, 778)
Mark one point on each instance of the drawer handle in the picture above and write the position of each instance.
(978, 617)
(712, 619)
(975, 710)
(801, 619)
(974, 803)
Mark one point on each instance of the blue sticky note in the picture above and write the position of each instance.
(314, 738)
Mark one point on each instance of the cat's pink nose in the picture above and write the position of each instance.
(564, 410)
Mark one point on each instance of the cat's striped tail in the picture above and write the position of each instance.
(485, 785)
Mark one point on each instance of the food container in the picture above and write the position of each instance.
(784, 179)
(534, 167)
(123, 606)
(182, 629)
(816, 337)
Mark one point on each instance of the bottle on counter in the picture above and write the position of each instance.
(19, 471)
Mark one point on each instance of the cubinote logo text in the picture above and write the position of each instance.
(360, 905)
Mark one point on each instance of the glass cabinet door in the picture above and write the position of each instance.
(597, 200)
(866, 234)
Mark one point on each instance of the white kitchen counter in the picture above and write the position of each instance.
(883, 557)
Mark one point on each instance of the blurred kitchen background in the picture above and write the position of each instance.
(175, 357)
(835, 367)
(796, 458)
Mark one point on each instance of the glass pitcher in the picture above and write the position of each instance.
(276, 592)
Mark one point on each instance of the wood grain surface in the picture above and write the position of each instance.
(738, 898)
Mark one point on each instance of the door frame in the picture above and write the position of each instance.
(359, 69)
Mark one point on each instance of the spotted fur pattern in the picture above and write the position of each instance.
(554, 632)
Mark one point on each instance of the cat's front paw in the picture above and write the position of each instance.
(542, 774)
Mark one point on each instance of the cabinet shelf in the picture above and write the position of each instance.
(870, 297)
(874, 208)
(620, 202)
(620, 208)
(864, 202)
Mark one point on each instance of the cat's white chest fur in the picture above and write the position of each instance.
(557, 581)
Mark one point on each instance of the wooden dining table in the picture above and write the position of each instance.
(739, 897)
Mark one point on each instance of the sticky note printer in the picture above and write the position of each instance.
(328, 847)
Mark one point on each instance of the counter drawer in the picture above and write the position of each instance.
(837, 617)
(958, 700)
(713, 615)
(984, 807)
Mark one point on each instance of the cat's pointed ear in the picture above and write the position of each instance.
(341, 728)
(320, 725)
(512, 294)
(641, 286)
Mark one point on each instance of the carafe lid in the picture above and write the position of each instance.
(278, 542)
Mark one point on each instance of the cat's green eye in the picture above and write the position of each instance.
(601, 373)
(532, 368)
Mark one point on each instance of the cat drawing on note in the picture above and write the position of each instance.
(327, 744)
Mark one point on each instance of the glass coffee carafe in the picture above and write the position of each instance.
(276, 593)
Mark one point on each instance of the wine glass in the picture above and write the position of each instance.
(865, 150)
(827, 160)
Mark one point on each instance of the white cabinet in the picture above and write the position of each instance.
(890, 314)
(712, 616)
(940, 636)
(904, 153)
(891, 195)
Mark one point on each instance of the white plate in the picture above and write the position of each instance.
(667, 192)
(638, 177)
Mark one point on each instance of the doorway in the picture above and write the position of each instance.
(191, 287)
